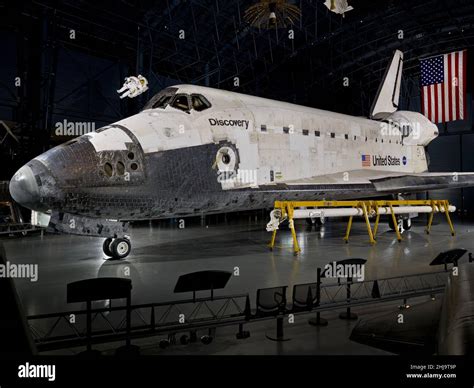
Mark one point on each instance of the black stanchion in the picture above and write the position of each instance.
(348, 314)
(242, 334)
(271, 302)
(280, 335)
(128, 350)
(318, 321)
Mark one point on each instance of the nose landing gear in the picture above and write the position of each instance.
(117, 248)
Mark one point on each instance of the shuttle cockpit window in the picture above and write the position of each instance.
(181, 102)
(199, 102)
(162, 102)
(161, 99)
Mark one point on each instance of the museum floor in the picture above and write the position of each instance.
(162, 253)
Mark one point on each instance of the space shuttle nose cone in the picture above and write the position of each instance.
(24, 188)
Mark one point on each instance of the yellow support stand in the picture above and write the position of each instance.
(296, 247)
(448, 217)
(395, 224)
(368, 208)
(430, 219)
(272, 242)
(367, 222)
(348, 230)
(377, 219)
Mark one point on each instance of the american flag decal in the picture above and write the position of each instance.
(365, 160)
(443, 87)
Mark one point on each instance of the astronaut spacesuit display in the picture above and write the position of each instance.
(133, 86)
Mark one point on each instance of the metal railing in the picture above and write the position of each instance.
(147, 319)
(382, 290)
(68, 329)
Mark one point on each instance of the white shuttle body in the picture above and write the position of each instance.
(196, 150)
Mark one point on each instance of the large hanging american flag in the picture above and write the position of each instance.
(443, 82)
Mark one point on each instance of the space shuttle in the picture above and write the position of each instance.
(195, 150)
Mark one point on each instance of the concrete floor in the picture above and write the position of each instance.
(161, 254)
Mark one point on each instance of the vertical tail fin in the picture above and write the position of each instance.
(388, 95)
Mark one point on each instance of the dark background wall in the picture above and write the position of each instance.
(76, 79)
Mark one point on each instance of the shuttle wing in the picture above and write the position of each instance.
(385, 182)
(424, 181)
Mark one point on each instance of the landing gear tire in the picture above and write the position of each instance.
(120, 248)
(106, 247)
